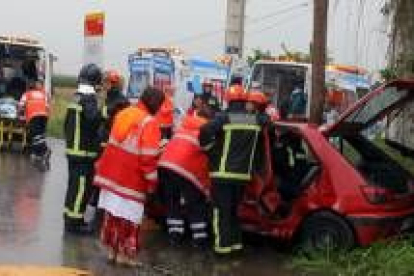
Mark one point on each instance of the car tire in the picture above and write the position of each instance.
(325, 231)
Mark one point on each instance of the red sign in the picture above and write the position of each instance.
(95, 24)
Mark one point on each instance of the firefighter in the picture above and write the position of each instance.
(34, 105)
(126, 172)
(165, 115)
(183, 171)
(230, 141)
(82, 147)
(209, 99)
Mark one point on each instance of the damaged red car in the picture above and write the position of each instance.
(332, 185)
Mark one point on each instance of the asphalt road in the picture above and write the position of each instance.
(31, 232)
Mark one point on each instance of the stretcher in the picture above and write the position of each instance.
(13, 131)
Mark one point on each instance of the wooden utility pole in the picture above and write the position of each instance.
(320, 22)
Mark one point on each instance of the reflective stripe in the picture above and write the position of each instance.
(241, 127)
(81, 153)
(122, 190)
(175, 222)
(176, 230)
(217, 247)
(198, 226)
(105, 112)
(130, 148)
(151, 176)
(78, 201)
(208, 146)
(223, 160)
(200, 235)
(71, 214)
(237, 246)
(253, 152)
(188, 175)
(188, 138)
(237, 176)
(75, 150)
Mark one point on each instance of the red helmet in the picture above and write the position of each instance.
(257, 98)
(114, 78)
(236, 93)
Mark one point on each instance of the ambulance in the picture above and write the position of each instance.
(165, 66)
(21, 59)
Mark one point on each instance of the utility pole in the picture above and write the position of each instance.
(234, 38)
(320, 22)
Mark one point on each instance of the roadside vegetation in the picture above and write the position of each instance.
(394, 257)
(60, 98)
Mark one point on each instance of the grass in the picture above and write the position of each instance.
(58, 111)
(381, 259)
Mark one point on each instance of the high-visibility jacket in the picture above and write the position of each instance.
(34, 103)
(165, 115)
(128, 164)
(231, 141)
(81, 125)
(184, 156)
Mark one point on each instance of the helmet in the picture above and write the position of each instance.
(236, 93)
(113, 78)
(257, 98)
(90, 74)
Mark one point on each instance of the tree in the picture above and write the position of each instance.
(258, 54)
(400, 14)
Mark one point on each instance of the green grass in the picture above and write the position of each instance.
(64, 81)
(382, 259)
(58, 111)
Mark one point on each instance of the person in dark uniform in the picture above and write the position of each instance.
(209, 99)
(82, 147)
(230, 141)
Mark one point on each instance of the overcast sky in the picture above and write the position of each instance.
(356, 28)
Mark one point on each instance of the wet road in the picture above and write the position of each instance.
(31, 232)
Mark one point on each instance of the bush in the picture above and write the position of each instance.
(58, 112)
(64, 81)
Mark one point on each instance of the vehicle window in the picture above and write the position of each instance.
(137, 83)
(374, 106)
(399, 156)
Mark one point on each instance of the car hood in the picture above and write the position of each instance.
(373, 107)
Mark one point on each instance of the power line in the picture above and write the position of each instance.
(253, 21)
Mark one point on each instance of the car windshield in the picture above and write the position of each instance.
(138, 81)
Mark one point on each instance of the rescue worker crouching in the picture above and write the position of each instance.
(82, 147)
(34, 105)
(230, 141)
(126, 173)
(184, 178)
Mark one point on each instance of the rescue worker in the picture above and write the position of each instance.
(34, 105)
(115, 101)
(126, 172)
(209, 99)
(196, 105)
(184, 178)
(297, 101)
(82, 147)
(165, 115)
(230, 141)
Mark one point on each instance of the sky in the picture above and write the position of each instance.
(356, 33)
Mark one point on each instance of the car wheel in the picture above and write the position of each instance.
(325, 231)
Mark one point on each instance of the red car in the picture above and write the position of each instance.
(332, 186)
(342, 189)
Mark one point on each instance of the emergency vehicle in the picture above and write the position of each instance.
(277, 79)
(21, 59)
(162, 67)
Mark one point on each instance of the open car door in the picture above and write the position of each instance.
(373, 107)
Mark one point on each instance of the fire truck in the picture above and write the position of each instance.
(21, 59)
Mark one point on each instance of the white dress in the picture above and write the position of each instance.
(121, 207)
